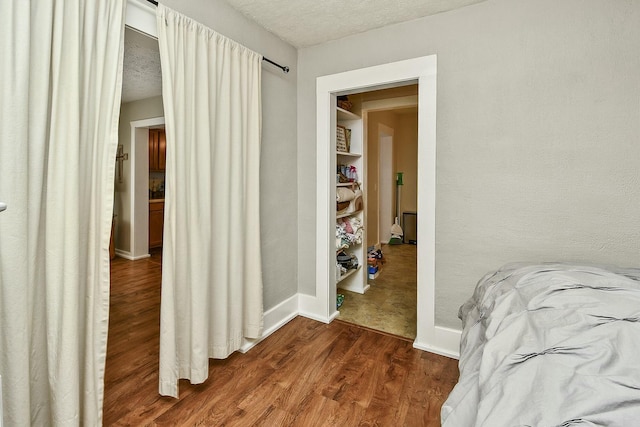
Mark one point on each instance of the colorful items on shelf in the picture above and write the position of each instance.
(347, 173)
(346, 260)
(349, 231)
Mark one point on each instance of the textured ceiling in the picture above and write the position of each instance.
(309, 22)
(141, 76)
(299, 22)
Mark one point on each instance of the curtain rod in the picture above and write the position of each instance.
(284, 68)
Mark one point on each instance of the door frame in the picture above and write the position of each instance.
(322, 305)
(139, 189)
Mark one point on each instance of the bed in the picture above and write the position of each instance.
(549, 345)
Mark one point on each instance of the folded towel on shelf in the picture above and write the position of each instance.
(344, 194)
(356, 203)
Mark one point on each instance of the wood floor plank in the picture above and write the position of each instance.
(312, 366)
(347, 414)
(306, 374)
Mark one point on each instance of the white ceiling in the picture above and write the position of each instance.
(141, 76)
(299, 22)
(304, 23)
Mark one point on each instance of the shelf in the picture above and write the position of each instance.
(342, 215)
(344, 153)
(348, 247)
(346, 115)
(348, 273)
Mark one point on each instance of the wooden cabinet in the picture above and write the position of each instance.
(157, 150)
(156, 224)
(157, 161)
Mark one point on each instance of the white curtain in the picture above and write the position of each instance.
(211, 272)
(60, 84)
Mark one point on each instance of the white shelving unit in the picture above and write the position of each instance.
(354, 280)
(343, 154)
(349, 274)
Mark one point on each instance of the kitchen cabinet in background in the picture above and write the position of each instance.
(156, 223)
(157, 150)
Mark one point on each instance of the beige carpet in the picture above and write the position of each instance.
(390, 303)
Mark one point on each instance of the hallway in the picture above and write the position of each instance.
(390, 303)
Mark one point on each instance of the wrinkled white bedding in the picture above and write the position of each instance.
(549, 345)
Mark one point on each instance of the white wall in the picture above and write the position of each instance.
(130, 111)
(278, 171)
(538, 127)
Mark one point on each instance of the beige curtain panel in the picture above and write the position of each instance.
(60, 85)
(212, 269)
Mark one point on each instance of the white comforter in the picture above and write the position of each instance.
(550, 345)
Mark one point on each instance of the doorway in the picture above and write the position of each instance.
(390, 303)
(142, 186)
(141, 110)
(422, 70)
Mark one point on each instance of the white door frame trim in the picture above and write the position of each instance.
(141, 16)
(322, 306)
(139, 154)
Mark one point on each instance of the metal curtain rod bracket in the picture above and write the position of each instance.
(284, 68)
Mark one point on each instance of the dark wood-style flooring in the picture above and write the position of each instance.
(305, 374)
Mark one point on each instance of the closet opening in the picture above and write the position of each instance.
(389, 183)
(423, 72)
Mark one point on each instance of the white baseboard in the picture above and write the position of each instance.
(274, 319)
(313, 316)
(333, 315)
(359, 289)
(311, 308)
(446, 343)
(127, 255)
